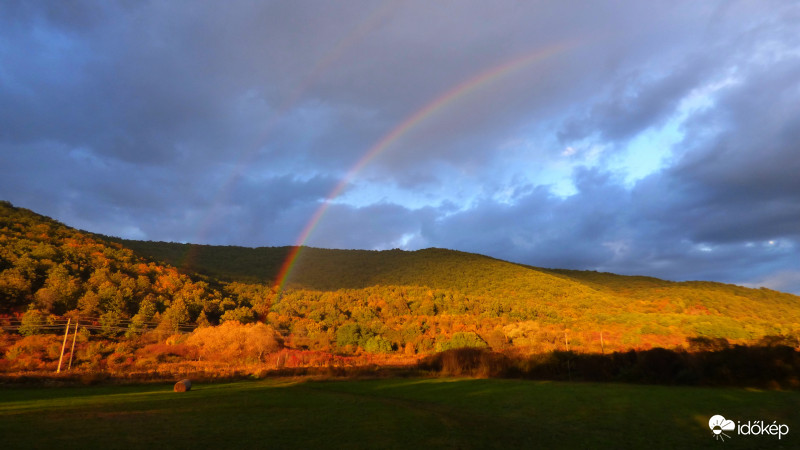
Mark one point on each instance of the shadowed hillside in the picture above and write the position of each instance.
(329, 269)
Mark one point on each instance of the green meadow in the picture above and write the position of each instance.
(389, 413)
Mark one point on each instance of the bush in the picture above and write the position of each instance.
(233, 341)
(34, 352)
(110, 324)
(348, 334)
(467, 361)
(377, 344)
(242, 314)
(462, 340)
(705, 344)
(166, 353)
(32, 322)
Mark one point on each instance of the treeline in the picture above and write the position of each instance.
(236, 350)
(229, 350)
(352, 302)
(769, 365)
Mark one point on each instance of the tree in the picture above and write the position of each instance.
(61, 290)
(47, 299)
(202, 320)
(110, 323)
(461, 340)
(137, 326)
(176, 315)
(242, 314)
(32, 322)
(233, 341)
(147, 309)
(15, 288)
(348, 334)
(89, 304)
(377, 344)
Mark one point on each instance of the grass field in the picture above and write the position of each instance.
(393, 413)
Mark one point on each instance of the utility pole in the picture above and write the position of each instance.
(569, 369)
(63, 346)
(72, 352)
(602, 347)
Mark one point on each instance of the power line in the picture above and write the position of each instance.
(60, 320)
(92, 323)
(94, 328)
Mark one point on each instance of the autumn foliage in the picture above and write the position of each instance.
(235, 342)
(152, 306)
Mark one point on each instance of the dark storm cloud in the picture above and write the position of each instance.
(636, 102)
(231, 124)
(728, 209)
(540, 229)
(741, 182)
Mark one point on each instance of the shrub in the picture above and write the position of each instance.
(242, 314)
(34, 352)
(32, 322)
(119, 361)
(95, 352)
(110, 324)
(462, 340)
(705, 344)
(233, 341)
(348, 334)
(377, 344)
(465, 361)
(168, 352)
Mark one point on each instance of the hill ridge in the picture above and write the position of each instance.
(376, 300)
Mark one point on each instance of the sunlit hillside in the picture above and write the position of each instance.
(349, 301)
(491, 287)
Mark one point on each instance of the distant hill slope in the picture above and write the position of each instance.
(330, 269)
(382, 301)
(552, 295)
(699, 297)
(229, 263)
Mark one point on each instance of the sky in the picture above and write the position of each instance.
(656, 138)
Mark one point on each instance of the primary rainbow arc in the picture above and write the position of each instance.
(465, 88)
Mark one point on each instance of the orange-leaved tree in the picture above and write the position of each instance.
(233, 341)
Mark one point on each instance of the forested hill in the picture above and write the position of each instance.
(657, 307)
(426, 299)
(329, 269)
(50, 268)
(468, 273)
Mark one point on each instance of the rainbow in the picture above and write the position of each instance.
(335, 54)
(459, 91)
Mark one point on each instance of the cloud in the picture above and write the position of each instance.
(190, 121)
(785, 281)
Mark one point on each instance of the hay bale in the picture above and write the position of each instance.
(183, 385)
